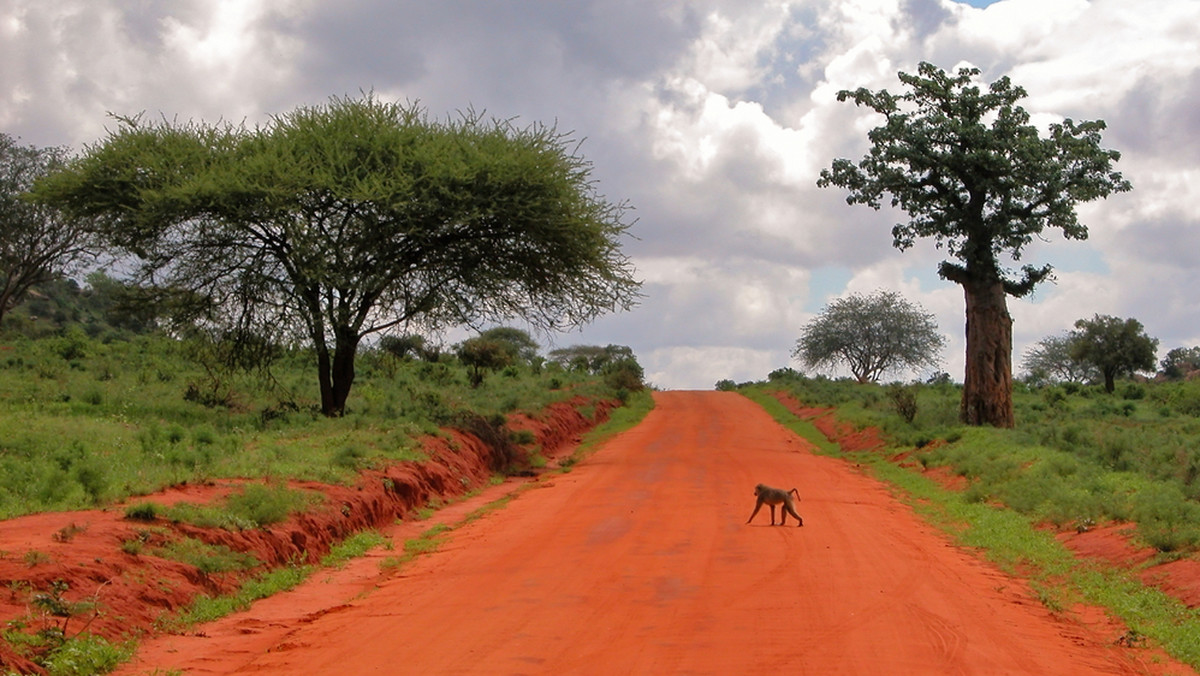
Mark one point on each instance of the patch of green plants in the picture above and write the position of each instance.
(143, 511)
(427, 542)
(253, 506)
(53, 647)
(205, 557)
(115, 419)
(85, 655)
(209, 608)
(353, 547)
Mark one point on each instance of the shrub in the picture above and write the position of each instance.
(1166, 520)
(207, 558)
(264, 505)
(904, 400)
(624, 374)
(86, 654)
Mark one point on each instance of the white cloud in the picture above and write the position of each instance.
(713, 117)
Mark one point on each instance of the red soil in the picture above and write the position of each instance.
(126, 593)
(1112, 544)
(639, 561)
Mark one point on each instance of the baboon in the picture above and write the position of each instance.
(776, 496)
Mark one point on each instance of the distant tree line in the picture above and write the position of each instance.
(1103, 349)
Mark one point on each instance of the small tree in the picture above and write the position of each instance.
(872, 335)
(1114, 346)
(403, 347)
(973, 174)
(519, 343)
(481, 355)
(1050, 360)
(624, 375)
(37, 242)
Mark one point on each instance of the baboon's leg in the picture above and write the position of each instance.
(788, 509)
(757, 506)
(772, 506)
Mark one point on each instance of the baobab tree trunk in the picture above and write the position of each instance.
(987, 385)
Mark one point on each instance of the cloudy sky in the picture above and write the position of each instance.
(712, 118)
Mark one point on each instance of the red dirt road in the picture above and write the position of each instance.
(639, 561)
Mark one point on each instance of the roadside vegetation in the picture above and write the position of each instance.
(93, 416)
(1078, 458)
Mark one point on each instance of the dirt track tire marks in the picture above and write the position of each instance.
(638, 561)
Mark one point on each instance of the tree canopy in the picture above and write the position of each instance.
(1114, 346)
(1050, 360)
(971, 173)
(591, 358)
(37, 242)
(519, 343)
(871, 335)
(338, 221)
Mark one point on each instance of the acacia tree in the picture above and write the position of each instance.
(872, 335)
(519, 343)
(1114, 346)
(37, 242)
(334, 222)
(591, 358)
(1050, 359)
(972, 173)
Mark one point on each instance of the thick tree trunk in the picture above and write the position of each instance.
(324, 377)
(987, 386)
(335, 372)
(343, 372)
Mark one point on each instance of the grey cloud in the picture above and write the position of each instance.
(503, 51)
(1158, 117)
(923, 17)
(1161, 243)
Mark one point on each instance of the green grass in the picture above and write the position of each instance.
(86, 654)
(353, 547)
(425, 543)
(85, 423)
(1012, 540)
(254, 506)
(268, 583)
(209, 608)
(207, 558)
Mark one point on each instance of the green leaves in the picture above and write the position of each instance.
(972, 173)
(871, 335)
(1114, 346)
(337, 221)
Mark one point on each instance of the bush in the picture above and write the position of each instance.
(624, 374)
(86, 654)
(904, 400)
(1166, 519)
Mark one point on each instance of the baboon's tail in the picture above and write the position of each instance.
(795, 492)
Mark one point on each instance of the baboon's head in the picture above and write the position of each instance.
(759, 489)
